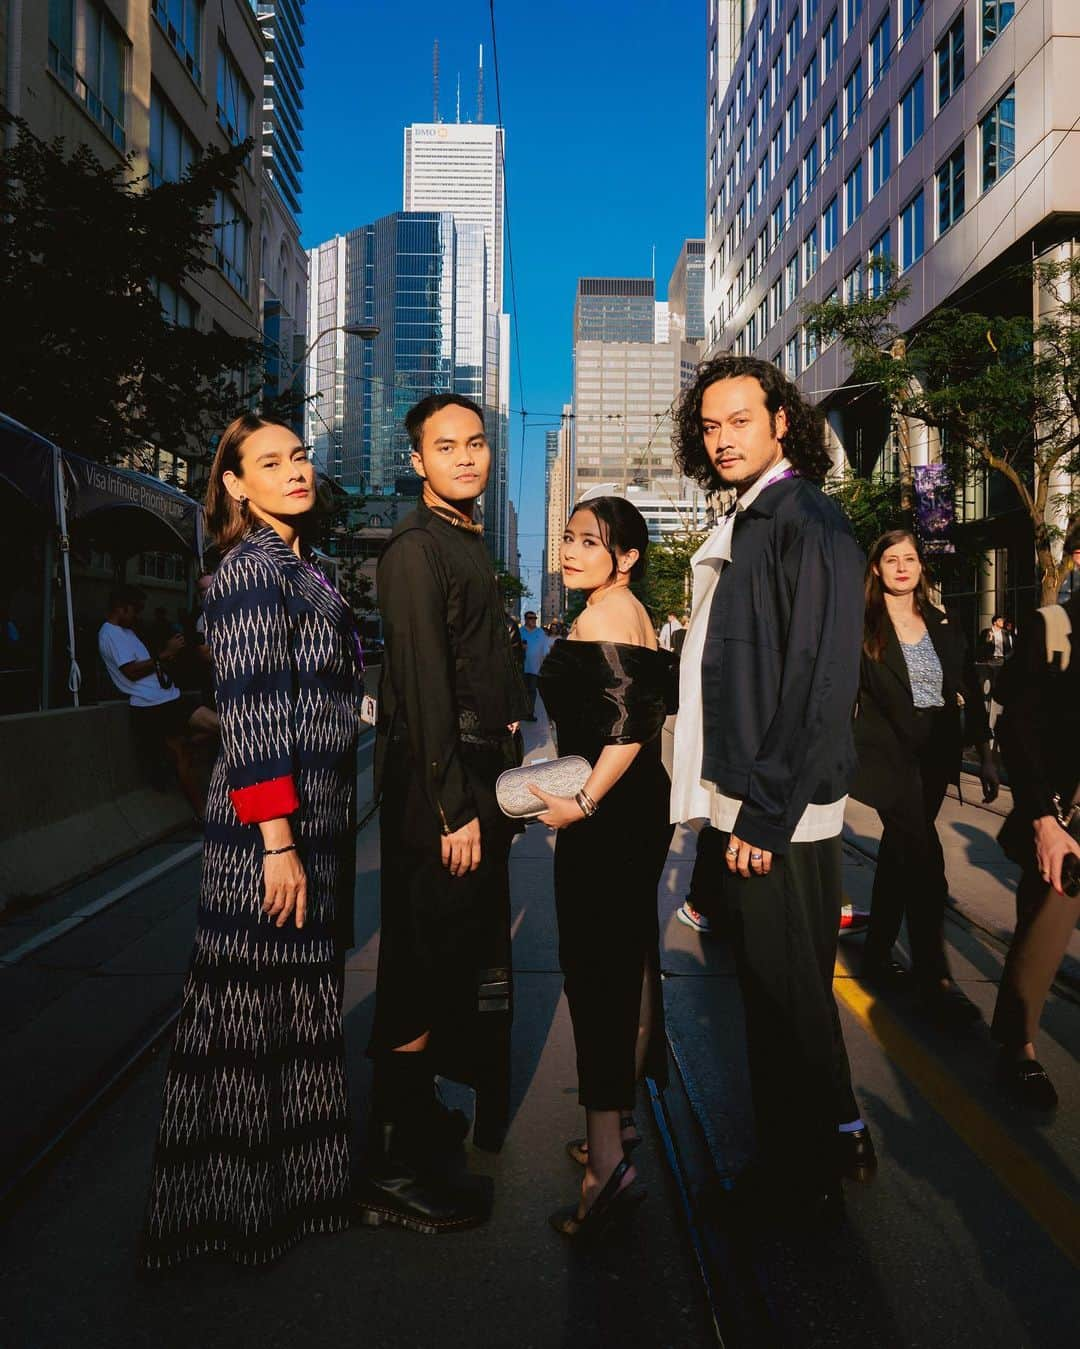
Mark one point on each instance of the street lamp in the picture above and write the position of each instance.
(367, 331)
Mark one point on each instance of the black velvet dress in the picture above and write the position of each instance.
(607, 868)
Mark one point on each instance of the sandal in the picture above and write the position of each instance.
(578, 1148)
(612, 1204)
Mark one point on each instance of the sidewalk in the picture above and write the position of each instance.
(68, 1250)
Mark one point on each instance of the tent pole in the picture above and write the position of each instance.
(47, 616)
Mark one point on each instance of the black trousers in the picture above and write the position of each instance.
(532, 683)
(910, 882)
(708, 880)
(783, 930)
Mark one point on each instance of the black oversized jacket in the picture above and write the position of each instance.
(448, 667)
(780, 668)
(892, 756)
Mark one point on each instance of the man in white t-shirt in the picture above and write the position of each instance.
(158, 714)
(667, 633)
(537, 644)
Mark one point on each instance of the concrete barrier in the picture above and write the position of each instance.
(74, 797)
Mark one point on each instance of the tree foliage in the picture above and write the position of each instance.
(91, 361)
(871, 505)
(668, 582)
(1002, 392)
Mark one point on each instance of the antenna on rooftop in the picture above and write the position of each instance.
(458, 116)
(480, 87)
(435, 81)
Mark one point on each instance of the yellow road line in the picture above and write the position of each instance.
(1021, 1175)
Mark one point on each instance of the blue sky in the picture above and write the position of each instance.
(603, 105)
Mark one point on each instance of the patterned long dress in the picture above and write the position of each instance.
(253, 1146)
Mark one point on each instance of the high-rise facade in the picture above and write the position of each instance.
(686, 290)
(459, 167)
(418, 276)
(939, 135)
(283, 261)
(559, 496)
(158, 80)
(615, 309)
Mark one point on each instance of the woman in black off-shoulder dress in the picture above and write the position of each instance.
(606, 689)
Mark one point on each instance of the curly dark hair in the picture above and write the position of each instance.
(804, 441)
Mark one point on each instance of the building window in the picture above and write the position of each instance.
(810, 12)
(880, 252)
(830, 43)
(176, 307)
(231, 230)
(776, 77)
(996, 16)
(810, 84)
(794, 36)
(853, 95)
(853, 284)
(852, 11)
(776, 224)
(810, 168)
(791, 122)
(88, 54)
(998, 131)
(911, 11)
(810, 255)
(791, 280)
(830, 226)
(950, 190)
(810, 347)
(776, 301)
(233, 98)
(182, 21)
(912, 118)
(830, 134)
(776, 150)
(880, 155)
(172, 148)
(880, 50)
(853, 196)
(912, 238)
(791, 197)
(950, 62)
(791, 358)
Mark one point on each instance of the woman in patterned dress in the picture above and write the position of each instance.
(253, 1146)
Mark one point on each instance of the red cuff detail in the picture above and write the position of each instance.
(265, 800)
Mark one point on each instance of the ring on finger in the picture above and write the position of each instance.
(732, 852)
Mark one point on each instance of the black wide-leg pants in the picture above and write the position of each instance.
(784, 930)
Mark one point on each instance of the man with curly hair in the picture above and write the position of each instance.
(763, 753)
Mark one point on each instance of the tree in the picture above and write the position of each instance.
(91, 361)
(872, 506)
(1003, 393)
(668, 581)
(512, 588)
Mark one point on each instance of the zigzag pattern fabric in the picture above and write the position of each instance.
(253, 1145)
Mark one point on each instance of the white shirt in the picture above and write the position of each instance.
(537, 645)
(670, 628)
(693, 800)
(119, 646)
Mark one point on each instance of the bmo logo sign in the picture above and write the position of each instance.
(431, 133)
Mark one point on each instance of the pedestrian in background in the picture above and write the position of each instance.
(1071, 584)
(667, 632)
(763, 749)
(606, 690)
(919, 704)
(537, 645)
(450, 698)
(1040, 741)
(253, 1147)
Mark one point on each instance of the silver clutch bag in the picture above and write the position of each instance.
(557, 777)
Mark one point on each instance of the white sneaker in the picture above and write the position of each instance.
(686, 913)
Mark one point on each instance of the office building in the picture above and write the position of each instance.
(459, 167)
(615, 309)
(283, 259)
(559, 496)
(686, 291)
(940, 135)
(418, 276)
(160, 81)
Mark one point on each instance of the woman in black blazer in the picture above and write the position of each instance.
(909, 736)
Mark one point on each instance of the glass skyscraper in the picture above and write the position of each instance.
(615, 309)
(282, 25)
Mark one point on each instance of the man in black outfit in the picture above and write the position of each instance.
(450, 699)
(773, 649)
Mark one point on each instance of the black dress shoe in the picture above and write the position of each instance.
(858, 1160)
(400, 1188)
(1027, 1082)
(947, 1005)
(885, 974)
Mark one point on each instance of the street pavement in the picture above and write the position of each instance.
(970, 1235)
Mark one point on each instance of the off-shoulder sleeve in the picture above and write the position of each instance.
(247, 629)
(634, 694)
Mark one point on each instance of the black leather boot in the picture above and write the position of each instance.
(400, 1187)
